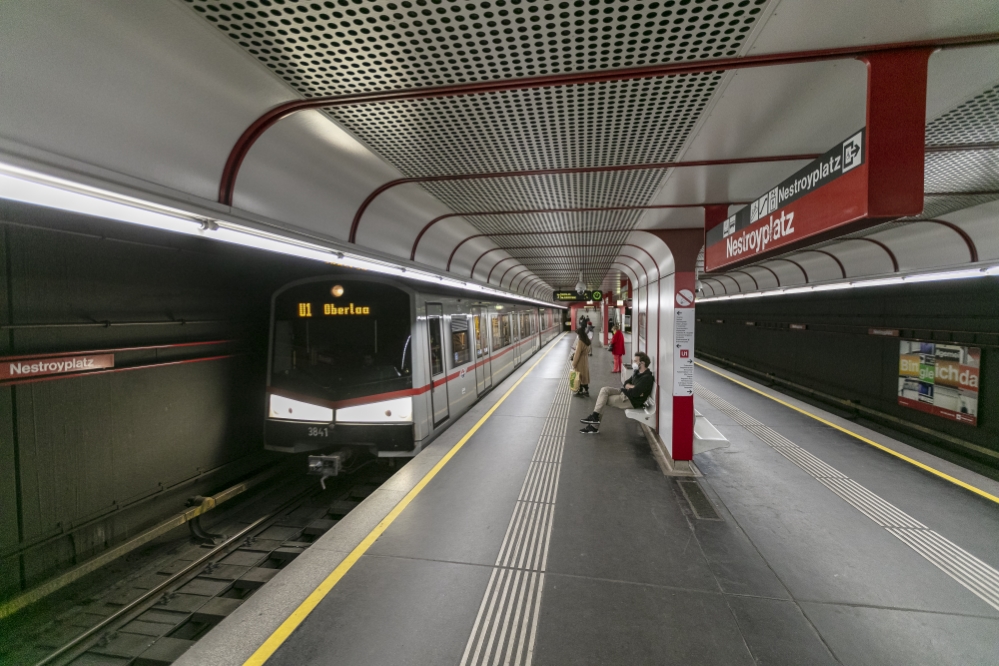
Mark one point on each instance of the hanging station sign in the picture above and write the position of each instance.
(829, 193)
(566, 296)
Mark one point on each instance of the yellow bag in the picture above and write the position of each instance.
(574, 381)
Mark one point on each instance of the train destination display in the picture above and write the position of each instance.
(830, 192)
(940, 379)
(595, 295)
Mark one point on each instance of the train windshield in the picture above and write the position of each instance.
(341, 339)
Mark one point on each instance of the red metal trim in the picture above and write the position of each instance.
(510, 286)
(962, 147)
(640, 264)
(416, 242)
(891, 255)
(117, 350)
(356, 223)
(715, 279)
(972, 248)
(52, 378)
(471, 273)
(738, 287)
(832, 256)
(490, 276)
(756, 284)
(272, 116)
(633, 275)
(500, 283)
(800, 267)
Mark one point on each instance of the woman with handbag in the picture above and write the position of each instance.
(581, 363)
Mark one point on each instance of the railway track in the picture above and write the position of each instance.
(152, 615)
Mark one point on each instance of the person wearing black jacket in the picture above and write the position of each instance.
(633, 395)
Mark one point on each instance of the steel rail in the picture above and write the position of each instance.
(269, 118)
(146, 599)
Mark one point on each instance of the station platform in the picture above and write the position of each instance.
(515, 539)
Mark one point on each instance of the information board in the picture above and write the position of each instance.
(940, 379)
(828, 193)
(567, 296)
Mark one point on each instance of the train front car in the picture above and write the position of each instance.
(341, 367)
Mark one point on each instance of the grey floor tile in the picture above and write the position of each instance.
(778, 633)
(861, 636)
(600, 622)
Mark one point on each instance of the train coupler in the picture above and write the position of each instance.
(325, 466)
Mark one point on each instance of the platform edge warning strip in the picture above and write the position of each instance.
(972, 573)
(523, 554)
(865, 440)
(281, 634)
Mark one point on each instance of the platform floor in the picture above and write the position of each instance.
(537, 544)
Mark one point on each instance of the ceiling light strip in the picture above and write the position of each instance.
(39, 189)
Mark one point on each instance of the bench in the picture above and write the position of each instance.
(647, 414)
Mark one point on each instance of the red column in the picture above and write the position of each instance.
(896, 131)
(684, 244)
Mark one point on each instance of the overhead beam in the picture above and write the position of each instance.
(271, 117)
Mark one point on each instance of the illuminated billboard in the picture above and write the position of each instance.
(940, 379)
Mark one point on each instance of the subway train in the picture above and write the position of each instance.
(381, 366)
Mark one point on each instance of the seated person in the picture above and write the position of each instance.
(633, 395)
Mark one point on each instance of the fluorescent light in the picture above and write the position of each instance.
(832, 286)
(22, 186)
(877, 282)
(40, 189)
(949, 275)
(929, 276)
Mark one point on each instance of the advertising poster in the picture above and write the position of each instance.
(940, 379)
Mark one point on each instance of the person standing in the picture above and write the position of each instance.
(581, 362)
(617, 348)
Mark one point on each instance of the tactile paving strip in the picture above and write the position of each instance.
(974, 574)
(507, 621)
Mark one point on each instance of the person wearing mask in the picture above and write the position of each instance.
(633, 395)
(617, 348)
(581, 361)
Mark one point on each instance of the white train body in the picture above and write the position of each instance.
(384, 365)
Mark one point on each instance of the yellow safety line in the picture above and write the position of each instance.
(280, 635)
(900, 456)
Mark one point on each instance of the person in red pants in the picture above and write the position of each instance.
(617, 348)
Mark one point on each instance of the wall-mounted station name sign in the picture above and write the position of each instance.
(563, 296)
(59, 365)
(824, 196)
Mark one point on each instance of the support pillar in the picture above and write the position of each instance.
(685, 245)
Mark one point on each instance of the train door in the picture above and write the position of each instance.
(515, 336)
(438, 390)
(483, 371)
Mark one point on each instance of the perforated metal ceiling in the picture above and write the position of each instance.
(353, 46)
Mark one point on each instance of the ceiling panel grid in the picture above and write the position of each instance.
(351, 46)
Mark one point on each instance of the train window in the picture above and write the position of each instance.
(436, 346)
(501, 331)
(461, 348)
(481, 344)
(362, 349)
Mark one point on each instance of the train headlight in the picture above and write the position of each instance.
(296, 410)
(399, 410)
